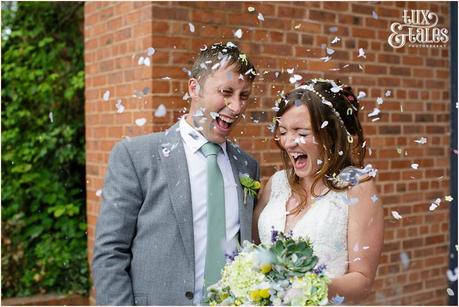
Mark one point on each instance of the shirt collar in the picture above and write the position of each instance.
(193, 138)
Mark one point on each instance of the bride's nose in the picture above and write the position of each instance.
(290, 142)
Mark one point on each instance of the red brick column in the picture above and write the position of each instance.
(290, 35)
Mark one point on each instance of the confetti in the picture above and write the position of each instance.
(238, 33)
(405, 259)
(374, 15)
(324, 124)
(290, 70)
(119, 106)
(379, 100)
(435, 204)
(414, 166)
(340, 153)
(166, 152)
(387, 93)
(362, 53)
(452, 276)
(319, 162)
(375, 112)
(330, 51)
(333, 29)
(214, 115)
(422, 140)
(140, 121)
(186, 96)
(99, 193)
(396, 215)
(450, 292)
(51, 117)
(106, 96)
(160, 111)
(449, 198)
(277, 74)
(295, 78)
(335, 87)
(150, 51)
(326, 59)
(251, 9)
(361, 95)
(374, 198)
(356, 247)
(260, 17)
(146, 61)
(337, 300)
(191, 26)
(297, 26)
(336, 40)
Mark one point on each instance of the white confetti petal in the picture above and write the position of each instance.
(191, 26)
(51, 117)
(333, 29)
(98, 192)
(452, 276)
(214, 115)
(396, 215)
(374, 15)
(340, 153)
(361, 53)
(106, 96)
(146, 61)
(251, 9)
(324, 124)
(160, 111)
(260, 17)
(361, 95)
(374, 198)
(140, 121)
(330, 51)
(141, 59)
(405, 260)
(150, 51)
(379, 100)
(449, 198)
(326, 58)
(422, 140)
(450, 292)
(336, 40)
(414, 166)
(119, 106)
(319, 162)
(186, 96)
(388, 93)
(375, 112)
(238, 33)
(290, 70)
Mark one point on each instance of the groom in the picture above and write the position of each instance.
(173, 204)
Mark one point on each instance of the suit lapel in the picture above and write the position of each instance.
(245, 210)
(173, 159)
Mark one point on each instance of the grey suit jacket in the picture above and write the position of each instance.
(144, 248)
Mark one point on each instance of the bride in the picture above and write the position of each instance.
(324, 193)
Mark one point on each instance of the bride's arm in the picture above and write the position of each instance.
(263, 198)
(365, 242)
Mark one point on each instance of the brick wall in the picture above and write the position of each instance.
(292, 35)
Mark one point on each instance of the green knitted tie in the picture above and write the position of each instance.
(216, 226)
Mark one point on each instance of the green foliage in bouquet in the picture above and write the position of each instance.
(43, 157)
(292, 257)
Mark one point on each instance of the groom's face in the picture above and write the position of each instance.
(218, 102)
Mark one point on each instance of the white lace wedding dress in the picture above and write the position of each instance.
(325, 223)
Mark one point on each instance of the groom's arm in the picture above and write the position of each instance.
(116, 226)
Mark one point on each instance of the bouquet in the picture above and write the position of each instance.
(284, 272)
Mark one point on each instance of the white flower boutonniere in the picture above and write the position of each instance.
(251, 186)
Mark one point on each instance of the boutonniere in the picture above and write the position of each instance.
(251, 186)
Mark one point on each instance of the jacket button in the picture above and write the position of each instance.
(189, 295)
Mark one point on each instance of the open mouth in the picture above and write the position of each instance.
(299, 159)
(224, 122)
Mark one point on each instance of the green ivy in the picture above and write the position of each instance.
(43, 156)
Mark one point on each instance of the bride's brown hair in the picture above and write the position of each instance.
(341, 142)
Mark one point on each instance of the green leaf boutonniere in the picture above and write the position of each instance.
(251, 186)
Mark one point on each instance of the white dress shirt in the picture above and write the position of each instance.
(197, 169)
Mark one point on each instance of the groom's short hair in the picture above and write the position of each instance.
(210, 59)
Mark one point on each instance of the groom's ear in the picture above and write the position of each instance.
(193, 88)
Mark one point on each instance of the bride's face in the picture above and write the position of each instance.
(296, 137)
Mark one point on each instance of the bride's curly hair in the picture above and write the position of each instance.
(341, 142)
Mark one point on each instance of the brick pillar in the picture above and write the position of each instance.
(290, 35)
